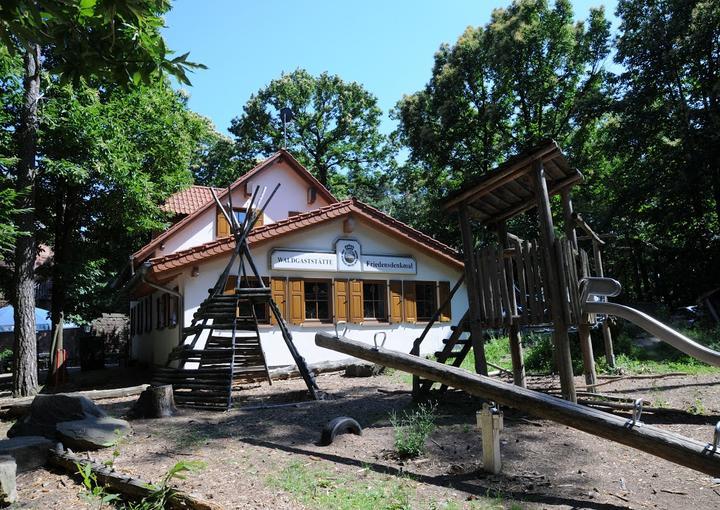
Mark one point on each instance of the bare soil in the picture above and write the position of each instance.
(546, 465)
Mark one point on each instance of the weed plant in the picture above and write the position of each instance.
(412, 429)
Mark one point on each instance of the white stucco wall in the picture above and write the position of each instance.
(291, 196)
(154, 347)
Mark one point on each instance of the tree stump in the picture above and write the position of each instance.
(155, 402)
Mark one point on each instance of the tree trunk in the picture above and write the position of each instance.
(155, 402)
(25, 379)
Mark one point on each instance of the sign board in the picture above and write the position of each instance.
(348, 257)
(388, 264)
(303, 260)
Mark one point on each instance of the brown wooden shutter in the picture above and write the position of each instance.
(278, 288)
(222, 226)
(230, 284)
(409, 306)
(395, 301)
(443, 293)
(356, 301)
(260, 221)
(341, 300)
(297, 300)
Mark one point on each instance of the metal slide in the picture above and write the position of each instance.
(594, 292)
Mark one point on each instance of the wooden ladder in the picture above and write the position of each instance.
(454, 352)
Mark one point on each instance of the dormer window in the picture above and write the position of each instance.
(222, 228)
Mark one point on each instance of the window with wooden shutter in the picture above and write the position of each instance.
(396, 303)
(278, 288)
(356, 301)
(230, 284)
(222, 227)
(375, 301)
(341, 300)
(443, 294)
(409, 305)
(426, 300)
(297, 300)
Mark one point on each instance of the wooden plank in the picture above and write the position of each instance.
(482, 294)
(530, 278)
(556, 187)
(498, 178)
(520, 268)
(133, 488)
(503, 283)
(662, 443)
(472, 291)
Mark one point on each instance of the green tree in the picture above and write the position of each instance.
(663, 195)
(335, 131)
(116, 42)
(108, 160)
(531, 73)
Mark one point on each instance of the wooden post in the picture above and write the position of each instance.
(583, 327)
(607, 335)
(476, 332)
(568, 217)
(552, 267)
(490, 423)
(516, 350)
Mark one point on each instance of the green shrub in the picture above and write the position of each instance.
(412, 429)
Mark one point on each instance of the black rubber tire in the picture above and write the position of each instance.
(339, 425)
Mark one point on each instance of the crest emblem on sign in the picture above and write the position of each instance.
(349, 254)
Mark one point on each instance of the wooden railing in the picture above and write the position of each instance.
(419, 340)
(512, 283)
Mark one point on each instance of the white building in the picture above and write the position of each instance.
(325, 260)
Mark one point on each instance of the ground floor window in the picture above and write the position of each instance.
(357, 300)
(317, 299)
(425, 300)
(262, 310)
(374, 301)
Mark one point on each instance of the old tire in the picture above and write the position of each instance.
(339, 425)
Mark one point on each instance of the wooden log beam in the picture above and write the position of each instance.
(19, 406)
(473, 288)
(667, 445)
(552, 275)
(129, 487)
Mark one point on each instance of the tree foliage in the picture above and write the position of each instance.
(117, 42)
(334, 133)
(531, 73)
(109, 160)
(663, 193)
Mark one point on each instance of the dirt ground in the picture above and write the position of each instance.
(546, 465)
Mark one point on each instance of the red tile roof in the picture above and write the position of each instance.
(189, 200)
(364, 212)
(280, 155)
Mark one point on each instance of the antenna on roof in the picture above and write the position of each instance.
(286, 115)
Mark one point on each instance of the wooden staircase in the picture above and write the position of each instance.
(231, 351)
(222, 345)
(454, 352)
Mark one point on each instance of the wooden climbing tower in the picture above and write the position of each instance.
(516, 283)
(222, 345)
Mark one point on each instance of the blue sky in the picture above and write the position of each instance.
(386, 45)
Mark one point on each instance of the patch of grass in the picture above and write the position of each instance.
(399, 375)
(319, 488)
(629, 365)
(412, 429)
